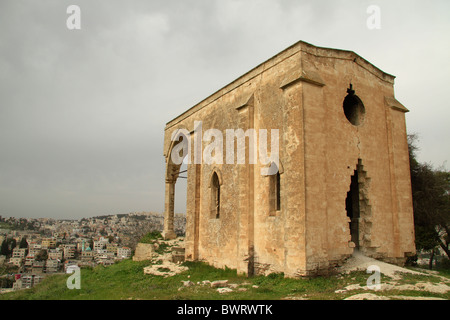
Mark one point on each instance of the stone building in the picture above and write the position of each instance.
(343, 180)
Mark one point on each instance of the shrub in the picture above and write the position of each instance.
(151, 237)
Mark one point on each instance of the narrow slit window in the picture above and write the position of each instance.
(275, 194)
(278, 198)
(215, 196)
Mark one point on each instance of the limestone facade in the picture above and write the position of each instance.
(144, 251)
(343, 180)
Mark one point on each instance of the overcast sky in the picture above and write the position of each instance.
(82, 112)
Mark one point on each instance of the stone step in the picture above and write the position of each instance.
(178, 254)
(178, 250)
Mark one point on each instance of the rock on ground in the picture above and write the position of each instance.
(371, 296)
(166, 269)
(219, 283)
(366, 296)
(224, 290)
(359, 262)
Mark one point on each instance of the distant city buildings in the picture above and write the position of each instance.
(37, 247)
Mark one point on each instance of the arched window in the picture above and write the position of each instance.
(215, 196)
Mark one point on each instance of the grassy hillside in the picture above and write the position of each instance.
(126, 280)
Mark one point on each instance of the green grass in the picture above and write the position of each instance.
(126, 280)
(151, 237)
(445, 273)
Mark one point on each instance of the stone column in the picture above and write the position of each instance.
(246, 245)
(168, 232)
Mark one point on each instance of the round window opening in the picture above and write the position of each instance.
(354, 109)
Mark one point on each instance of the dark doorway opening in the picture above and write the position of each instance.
(353, 210)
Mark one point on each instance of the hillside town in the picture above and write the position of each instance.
(33, 248)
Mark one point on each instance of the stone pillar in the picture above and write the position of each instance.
(246, 245)
(168, 232)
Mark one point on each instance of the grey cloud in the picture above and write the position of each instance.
(82, 113)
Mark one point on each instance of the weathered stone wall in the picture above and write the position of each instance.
(300, 92)
(143, 252)
(332, 149)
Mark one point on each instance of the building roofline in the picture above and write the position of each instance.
(300, 46)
